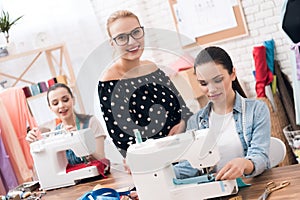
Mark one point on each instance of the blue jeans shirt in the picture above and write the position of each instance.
(258, 134)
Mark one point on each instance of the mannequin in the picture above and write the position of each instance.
(291, 20)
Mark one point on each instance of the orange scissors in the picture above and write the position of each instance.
(271, 187)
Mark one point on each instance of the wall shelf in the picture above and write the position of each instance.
(55, 62)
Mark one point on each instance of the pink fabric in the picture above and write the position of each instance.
(13, 147)
(184, 62)
(263, 75)
(16, 105)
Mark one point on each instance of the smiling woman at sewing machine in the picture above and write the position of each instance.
(242, 125)
(61, 102)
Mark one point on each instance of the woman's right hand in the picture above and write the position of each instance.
(126, 167)
(32, 135)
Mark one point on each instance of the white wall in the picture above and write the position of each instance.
(51, 22)
(262, 18)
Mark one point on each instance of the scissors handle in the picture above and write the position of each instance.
(282, 185)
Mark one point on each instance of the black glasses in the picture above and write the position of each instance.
(123, 38)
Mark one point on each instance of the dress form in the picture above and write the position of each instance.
(291, 20)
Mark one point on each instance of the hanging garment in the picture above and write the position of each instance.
(16, 105)
(263, 75)
(6, 170)
(13, 147)
(3, 190)
(295, 47)
(270, 50)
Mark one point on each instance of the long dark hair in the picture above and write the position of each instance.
(81, 117)
(221, 57)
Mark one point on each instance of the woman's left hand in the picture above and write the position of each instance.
(70, 128)
(178, 128)
(233, 169)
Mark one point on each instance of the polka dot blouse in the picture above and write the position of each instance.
(149, 103)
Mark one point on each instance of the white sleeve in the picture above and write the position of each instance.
(96, 127)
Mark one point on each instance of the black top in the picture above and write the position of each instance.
(291, 20)
(149, 103)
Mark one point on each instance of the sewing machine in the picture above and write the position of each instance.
(151, 166)
(49, 155)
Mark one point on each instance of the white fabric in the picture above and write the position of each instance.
(228, 141)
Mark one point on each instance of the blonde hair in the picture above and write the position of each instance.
(118, 15)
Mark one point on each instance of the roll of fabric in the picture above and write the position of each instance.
(263, 75)
(27, 91)
(51, 82)
(270, 51)
(35, 89)
(43, 87)
(61, 79)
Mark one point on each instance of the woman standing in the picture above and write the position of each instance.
(135, 93)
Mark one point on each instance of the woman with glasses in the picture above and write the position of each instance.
(135, 95)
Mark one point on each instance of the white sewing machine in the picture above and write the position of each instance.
(49, 156)
(152, 170)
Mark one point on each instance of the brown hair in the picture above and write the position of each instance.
(117, 15)
(219, 56)
(81, 117)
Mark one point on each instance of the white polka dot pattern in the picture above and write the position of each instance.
(147, 103)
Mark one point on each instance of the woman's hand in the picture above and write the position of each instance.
(70, 128)
(178, 128)
(133, 195)
(126, 167)
(32, 135)
(235, 169)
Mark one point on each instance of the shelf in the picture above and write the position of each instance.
(55, 64)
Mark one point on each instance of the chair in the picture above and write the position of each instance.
(277, 151)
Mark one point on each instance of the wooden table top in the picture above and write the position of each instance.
(118, 179)
(289, 173)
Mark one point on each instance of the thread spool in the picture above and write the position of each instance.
(51, 82)
(43, 87)
(27, 91)
(138, 137)
(35, 89)
(61, 79)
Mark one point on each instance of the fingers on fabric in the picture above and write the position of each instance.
(229, 172)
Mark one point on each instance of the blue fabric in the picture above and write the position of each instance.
(258, 130)
(184, 170)
(105, 194)
(270, 45)
(101, 194)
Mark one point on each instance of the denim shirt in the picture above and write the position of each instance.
(258, 129)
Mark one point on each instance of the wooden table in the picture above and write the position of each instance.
(118, 179)
(289, 173)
